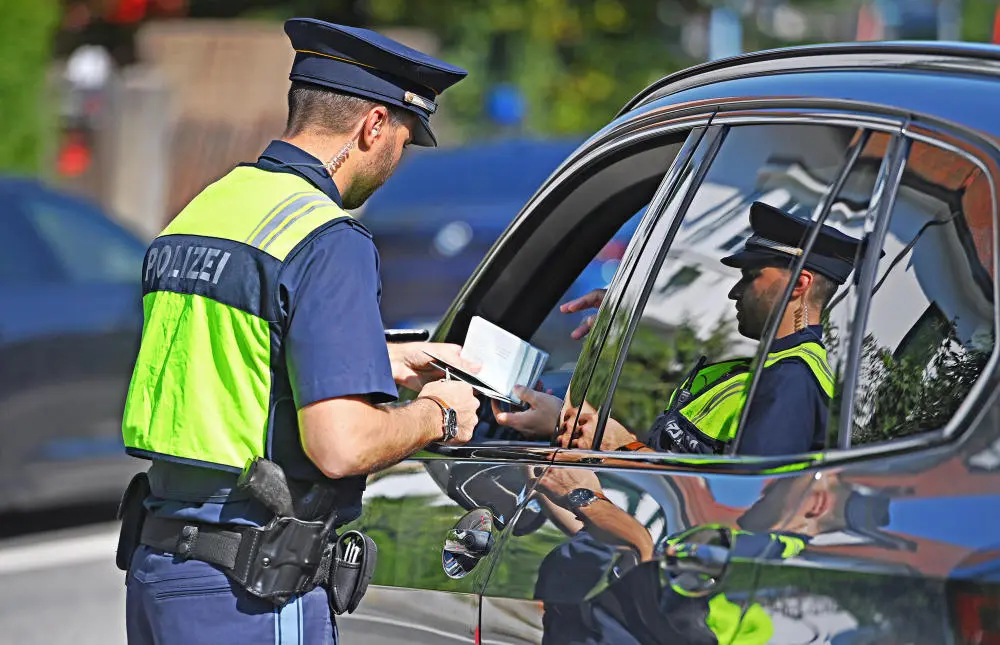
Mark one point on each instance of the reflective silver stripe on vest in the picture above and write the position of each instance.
(274, 210)
(819, 359)
(323, 202)
(284, 213)
(717, 400)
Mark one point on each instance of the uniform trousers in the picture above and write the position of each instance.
(171, 601)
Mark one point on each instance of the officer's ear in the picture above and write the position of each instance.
(804, 282)
(375, 127)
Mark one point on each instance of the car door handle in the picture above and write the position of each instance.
(470, 543)
(701, 559)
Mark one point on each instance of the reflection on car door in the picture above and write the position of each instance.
(662, 560)
(439, 520)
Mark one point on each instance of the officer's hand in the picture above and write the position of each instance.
(411, 367)
(539, 421)
(592, 300)
(460, 397)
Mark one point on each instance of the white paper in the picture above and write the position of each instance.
(506, 360)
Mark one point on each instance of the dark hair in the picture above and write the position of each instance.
(822, 290)
(312, 107)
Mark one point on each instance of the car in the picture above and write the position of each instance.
(890, 534)
(69, 333)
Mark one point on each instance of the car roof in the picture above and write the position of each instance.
(981, 58)
(891, 74)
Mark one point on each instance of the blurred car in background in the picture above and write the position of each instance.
(69, 329)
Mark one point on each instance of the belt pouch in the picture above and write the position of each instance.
(352, 568)
(280, 560)
(132, 513)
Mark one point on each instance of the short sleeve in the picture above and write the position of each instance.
(335, 342)
(788, 413)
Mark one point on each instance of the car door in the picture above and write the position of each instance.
(67, 343)
(900, 521)
(427, 585)
(666, 558)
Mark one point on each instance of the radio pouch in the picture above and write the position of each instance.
(132, 513)
(351, 569)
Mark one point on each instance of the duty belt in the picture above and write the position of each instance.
(287, 557)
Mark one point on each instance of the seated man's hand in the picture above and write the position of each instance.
(591, 300)
(411, 367)
(538, 421)
(581, 434)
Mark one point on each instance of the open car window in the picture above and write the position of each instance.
(571, 242)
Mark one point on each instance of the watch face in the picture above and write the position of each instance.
(451, 424)
(580, 497)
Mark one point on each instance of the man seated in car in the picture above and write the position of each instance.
(789, 412)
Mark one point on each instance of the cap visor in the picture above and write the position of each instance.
(422, 133)
(747, 258)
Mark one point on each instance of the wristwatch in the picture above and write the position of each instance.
(450, 417)
(581, 497)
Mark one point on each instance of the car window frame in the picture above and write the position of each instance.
(903, 126)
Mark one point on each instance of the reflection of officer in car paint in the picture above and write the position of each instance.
(603, 585)
(796, 381)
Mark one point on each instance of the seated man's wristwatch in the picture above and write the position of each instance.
(580, 497)
(450, 417)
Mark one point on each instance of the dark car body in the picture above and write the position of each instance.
(69, 331)
(877, 539)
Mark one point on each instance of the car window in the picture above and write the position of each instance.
(574, 241)
(689, 322)
(89, 247)
(930, 329)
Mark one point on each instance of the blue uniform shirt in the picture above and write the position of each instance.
(334, 346)
(789, 409)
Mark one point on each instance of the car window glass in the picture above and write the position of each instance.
(689, 315)
(930, 329)
(89, 248)
(848, 214)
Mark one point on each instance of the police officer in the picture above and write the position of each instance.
(263, 340)
(789, 411)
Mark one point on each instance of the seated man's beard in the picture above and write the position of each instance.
(369, 179)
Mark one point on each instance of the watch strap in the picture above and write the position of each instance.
(632, 446)
(444, 411)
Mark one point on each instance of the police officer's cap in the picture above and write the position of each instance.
(367, 64)
(778, 238)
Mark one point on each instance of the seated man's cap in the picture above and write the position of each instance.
(777, 239)
(367, 64)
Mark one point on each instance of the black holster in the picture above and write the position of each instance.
(132, 514)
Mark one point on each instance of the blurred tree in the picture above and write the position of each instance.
(575, 62)
(26, 33)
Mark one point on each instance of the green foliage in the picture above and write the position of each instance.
(575, 61)
(918, 390)
(26, 33)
